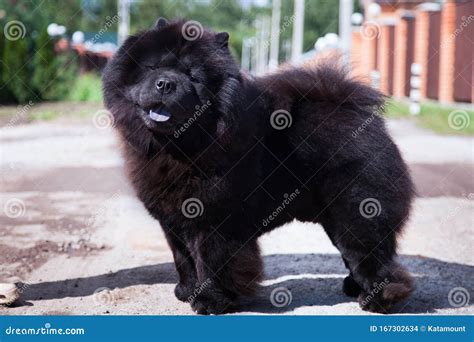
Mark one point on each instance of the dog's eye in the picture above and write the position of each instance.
(151, 67)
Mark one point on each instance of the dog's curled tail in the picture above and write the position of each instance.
(326, 81)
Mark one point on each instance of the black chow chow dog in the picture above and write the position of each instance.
(220, 158)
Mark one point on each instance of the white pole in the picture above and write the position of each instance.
(287, 49)
(245, 62)
(253, 56)
(345, 27)
(298, 26)
(415, 82)
(258, 43)
(124, 20)
(265, 40)
(275, 37)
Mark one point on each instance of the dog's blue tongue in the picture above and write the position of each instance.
(159, 115)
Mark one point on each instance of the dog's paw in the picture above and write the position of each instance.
(212, 303)
(350, 287)
(183, 292)
(382, 297)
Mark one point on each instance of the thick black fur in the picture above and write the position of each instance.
(249, 176)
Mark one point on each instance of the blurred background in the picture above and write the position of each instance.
(412, 50)
(75, 237)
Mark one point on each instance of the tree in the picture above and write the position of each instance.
(43, 64)
(16, 73)
(53, 74)
(320, 17)
(217, 14)
(6, 96)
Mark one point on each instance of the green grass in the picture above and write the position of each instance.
(45, 111)
(87, 88)
(44, 115)
(439, 118)
(84, 99)
(396, 109)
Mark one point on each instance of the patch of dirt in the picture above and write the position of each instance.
(105, 180)
(13, 115)
(27, 259)
(84, 231)
(447, 179)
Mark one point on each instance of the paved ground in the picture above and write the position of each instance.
(71, 226)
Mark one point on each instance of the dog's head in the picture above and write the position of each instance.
(167, 74)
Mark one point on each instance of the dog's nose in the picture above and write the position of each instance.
(165, 85)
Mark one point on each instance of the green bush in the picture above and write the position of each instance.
(54, 73)
(6, 95)
(16, 74)
(87, 88)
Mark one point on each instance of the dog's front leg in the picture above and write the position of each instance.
(225, 269)
(185, 267)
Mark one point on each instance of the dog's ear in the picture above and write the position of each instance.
(160, 23)
(222, 39)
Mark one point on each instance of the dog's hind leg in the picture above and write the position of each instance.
(350, 286)
(363, 222)
(375, 277)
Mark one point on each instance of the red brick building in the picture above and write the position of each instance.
(437, 36)
(428, 24)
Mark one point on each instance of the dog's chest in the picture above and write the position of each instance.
(162, 183)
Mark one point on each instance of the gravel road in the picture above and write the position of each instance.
(74, 234)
